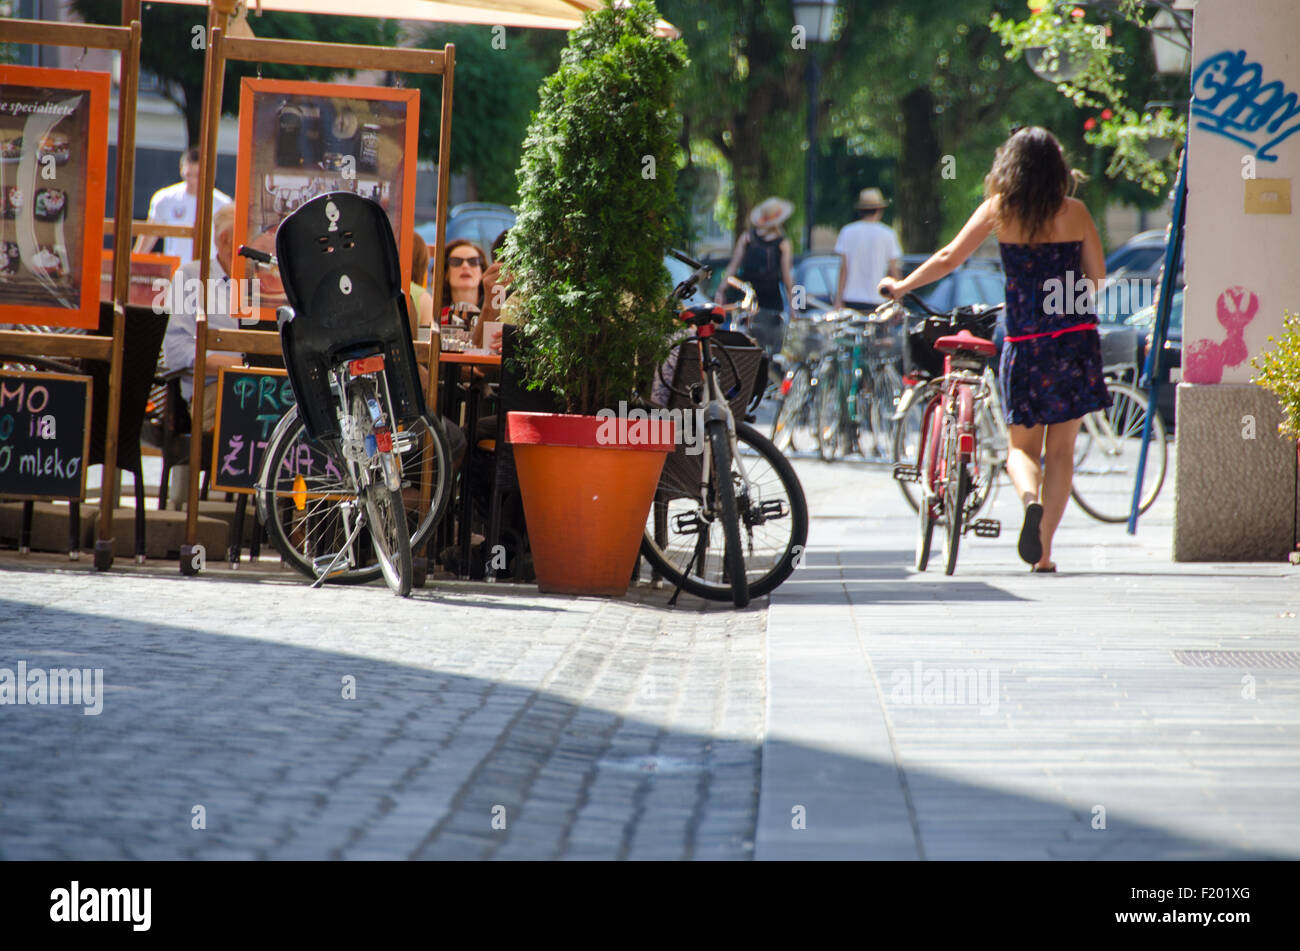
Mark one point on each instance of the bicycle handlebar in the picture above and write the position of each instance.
(261, 257)
(922, 305)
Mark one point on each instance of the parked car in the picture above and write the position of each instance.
(1133, 277)
(1143, 322)
(479, 222)
(975, 281)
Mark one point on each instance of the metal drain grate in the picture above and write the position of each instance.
(1274, 659)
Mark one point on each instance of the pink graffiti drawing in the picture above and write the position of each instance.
(1205, 360)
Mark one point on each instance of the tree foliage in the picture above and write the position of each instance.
(173, 47)
(494, 92)
(597, 201)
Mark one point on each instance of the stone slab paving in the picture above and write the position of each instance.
(1002, 715)
(488, 722)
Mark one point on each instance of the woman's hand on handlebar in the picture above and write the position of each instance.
(890, 288)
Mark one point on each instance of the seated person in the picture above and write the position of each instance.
(419, 300)
(462, 282)
(183, 301)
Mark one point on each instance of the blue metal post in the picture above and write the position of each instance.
(1150, 376)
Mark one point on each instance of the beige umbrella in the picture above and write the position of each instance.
(539, 14)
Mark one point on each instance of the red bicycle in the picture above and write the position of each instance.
(949, 459)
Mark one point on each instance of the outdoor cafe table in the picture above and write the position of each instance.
(450, 362)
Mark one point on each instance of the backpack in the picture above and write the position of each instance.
(762, 259)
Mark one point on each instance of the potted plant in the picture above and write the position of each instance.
(597, 206)
(1279, 371)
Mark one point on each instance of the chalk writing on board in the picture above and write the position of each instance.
(43, 434)
(1230, 98)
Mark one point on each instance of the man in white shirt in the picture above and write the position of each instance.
(182, 301)
(868, 250)
(178, 205)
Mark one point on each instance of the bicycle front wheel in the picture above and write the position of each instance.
(733, 554)
(773, 517)
(1107, 452)
(907, 433)
(310, 505)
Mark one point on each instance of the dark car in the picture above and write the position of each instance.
(1142, 323)
(479, 222)
(1133, 277)
(975, 281)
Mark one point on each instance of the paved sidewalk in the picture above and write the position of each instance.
(999, 714)
(485, 724)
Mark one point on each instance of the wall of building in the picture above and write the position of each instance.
(1243, 271)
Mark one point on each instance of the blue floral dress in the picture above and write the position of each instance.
(1049, 379)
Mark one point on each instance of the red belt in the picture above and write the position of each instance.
(1053, 333)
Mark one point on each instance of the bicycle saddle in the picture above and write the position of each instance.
(699, 315)
(965, 342)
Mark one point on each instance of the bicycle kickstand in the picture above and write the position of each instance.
(701, 545)
(347, 545)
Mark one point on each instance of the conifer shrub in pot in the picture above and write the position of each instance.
(597, 206)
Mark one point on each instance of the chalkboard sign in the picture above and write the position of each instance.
(44, 435)
(250, 402)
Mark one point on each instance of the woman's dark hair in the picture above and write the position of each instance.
(419, 260)
(446, 270)
(1031, 178)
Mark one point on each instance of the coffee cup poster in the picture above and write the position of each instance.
(298, 140)
(53, 154)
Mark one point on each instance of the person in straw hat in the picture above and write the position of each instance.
(764, 258)
(868, 250)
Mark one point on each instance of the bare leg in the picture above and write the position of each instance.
(1057, 479)
(1022, 461)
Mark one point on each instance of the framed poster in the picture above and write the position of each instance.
(298, 140)
(150, 281)
(53, 167)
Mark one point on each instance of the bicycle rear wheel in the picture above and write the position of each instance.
(773, 516)
(829, 413)
(886, 390)
(791, 431)
(954, 511)
(1107, 452)
(386, 519)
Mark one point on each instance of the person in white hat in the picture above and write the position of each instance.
(868, 250)
(764, 258)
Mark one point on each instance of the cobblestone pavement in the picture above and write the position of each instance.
(484, 724)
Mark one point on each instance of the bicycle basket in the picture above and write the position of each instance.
(922, 359)
(682, 470)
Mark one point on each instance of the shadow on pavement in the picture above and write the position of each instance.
(422, 761)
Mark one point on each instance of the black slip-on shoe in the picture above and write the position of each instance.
(1031, 546)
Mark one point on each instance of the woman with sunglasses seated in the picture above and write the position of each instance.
(462, 283)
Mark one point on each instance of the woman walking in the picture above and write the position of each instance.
(1051, 371)
(764, 258)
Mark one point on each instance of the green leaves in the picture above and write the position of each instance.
(587, 249)
(1279, 372)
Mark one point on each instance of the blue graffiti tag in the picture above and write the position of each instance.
(1230, 99)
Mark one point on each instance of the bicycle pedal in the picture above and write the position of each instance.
(686, 524)
(906, 473)
(986, 527)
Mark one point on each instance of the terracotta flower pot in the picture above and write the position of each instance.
(587, 484)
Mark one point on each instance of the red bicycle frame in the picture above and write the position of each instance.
(955, 393)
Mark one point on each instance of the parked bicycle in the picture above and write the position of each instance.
(858, 388)
(1106, 451)
(345, 471)
(729, 520)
